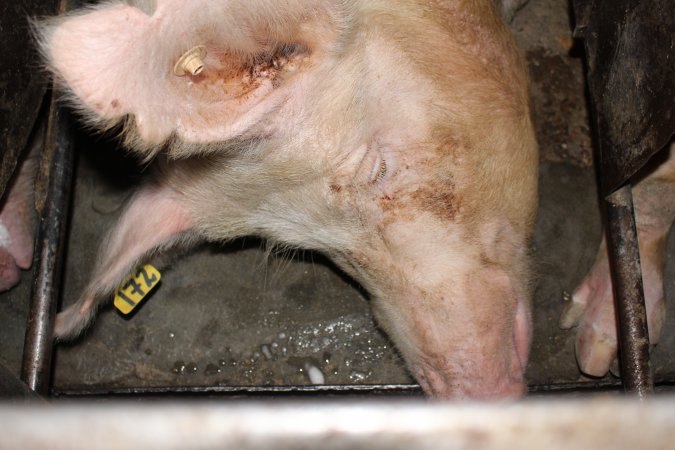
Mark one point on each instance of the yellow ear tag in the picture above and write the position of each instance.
(136, 288)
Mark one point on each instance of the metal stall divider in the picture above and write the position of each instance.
(633, 121)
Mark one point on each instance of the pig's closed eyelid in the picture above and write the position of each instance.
(378, 169)
(367, 164)
(381, 170)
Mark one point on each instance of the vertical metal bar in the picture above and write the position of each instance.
(56, 168)
(636, 373)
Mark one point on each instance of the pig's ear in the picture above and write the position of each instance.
(154, 221)
(103, 58)
(119, 62)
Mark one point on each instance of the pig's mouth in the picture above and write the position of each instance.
(485, 383)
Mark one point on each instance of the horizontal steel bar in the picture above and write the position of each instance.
(357, 389)
(338, 390)
(617, 423)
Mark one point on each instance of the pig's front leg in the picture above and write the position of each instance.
(154, 220)
(592, 305)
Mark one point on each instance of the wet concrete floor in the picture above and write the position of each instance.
(238, 316)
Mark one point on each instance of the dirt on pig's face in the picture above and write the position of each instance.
(393, 136)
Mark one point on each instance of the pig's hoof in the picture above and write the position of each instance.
(595, 350)
(591, 308)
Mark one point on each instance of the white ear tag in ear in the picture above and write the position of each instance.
(191, 63)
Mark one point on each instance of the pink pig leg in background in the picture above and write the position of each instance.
(16, 234)
(592, 305)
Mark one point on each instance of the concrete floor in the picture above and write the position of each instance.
(232, 316)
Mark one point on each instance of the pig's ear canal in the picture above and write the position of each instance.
(198, 84)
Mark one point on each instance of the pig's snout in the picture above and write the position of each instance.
(491, 370)
(465, 357)
(470, 342)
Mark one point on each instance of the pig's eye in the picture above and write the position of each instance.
(382, 171)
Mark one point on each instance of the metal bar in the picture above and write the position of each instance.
(56, 168)
(347, 389)
(636, 372)
(336, 425)
(370, 390)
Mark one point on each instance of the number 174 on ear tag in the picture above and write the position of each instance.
(134, 289)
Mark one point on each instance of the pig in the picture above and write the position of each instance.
(16, 224)
(393, 136)
(592, 305)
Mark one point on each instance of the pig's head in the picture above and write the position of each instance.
(444, 255)
(395, 138)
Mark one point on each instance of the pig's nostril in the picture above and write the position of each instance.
(192, 62)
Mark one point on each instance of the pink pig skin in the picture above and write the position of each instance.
(16, 236)
(394, 136)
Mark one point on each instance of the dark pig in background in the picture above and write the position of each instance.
(393, 136)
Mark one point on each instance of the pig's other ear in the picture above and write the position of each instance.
(104, 60)
(117, 63)
(155, 220)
